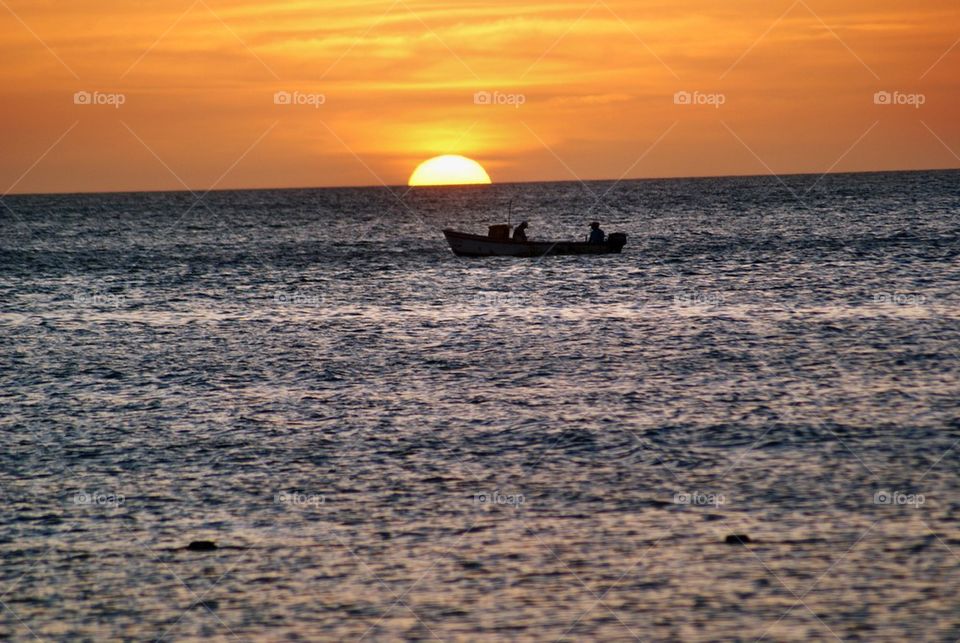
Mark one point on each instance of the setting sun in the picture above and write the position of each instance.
(450, 169)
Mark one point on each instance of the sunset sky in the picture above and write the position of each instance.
(581, 90)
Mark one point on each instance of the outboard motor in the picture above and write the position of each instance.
(617, 240)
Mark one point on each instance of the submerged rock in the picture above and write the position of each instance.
(210, 605)
(202, 545)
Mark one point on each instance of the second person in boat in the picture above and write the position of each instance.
(520, 234)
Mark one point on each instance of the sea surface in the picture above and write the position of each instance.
(387, 442)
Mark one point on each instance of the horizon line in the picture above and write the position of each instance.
(382, 186)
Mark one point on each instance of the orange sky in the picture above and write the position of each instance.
(588, 90)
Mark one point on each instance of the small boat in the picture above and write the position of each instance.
(499, 244)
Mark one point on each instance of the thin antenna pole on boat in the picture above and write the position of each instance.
(510, 214)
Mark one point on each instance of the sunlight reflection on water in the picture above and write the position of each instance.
(352, 414)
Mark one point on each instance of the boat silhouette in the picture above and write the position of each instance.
(497, 243)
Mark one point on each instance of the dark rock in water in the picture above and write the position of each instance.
(202, 545)
(210, 605)
(737, 540)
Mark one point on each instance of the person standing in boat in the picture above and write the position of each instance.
(520, 234)
(596, 234)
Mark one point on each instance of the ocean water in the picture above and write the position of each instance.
(388, 442)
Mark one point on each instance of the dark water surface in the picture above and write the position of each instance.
(389, 442)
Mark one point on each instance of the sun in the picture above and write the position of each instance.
(450, 169)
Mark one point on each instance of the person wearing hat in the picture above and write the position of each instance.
(520, 234)
(596, 234)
